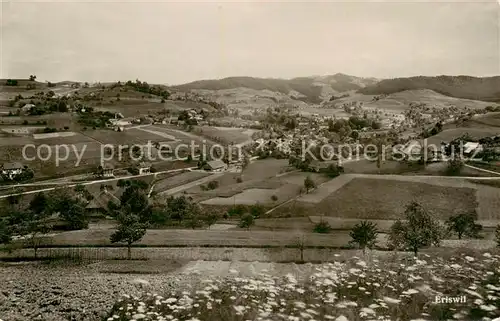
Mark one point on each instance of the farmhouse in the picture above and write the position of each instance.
(106, 170)
(27, 107)
(100, 205)
(470, 148)
(144, 168)
(216, 166)
(12, 169)
(18, 131)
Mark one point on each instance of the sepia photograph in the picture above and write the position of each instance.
(282, 160)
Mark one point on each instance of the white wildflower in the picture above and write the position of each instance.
(391, 300)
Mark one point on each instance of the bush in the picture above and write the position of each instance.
(246, 221)
(213, 185)
(257, 210)
(274, 198)
(239, 180)
(237, 210)
(455, 166)
(322, 227)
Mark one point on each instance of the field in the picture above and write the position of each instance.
(57, 120)
(448, 135)
(489, 119)
(177, 180)
(228, 135)
(176, 237)
(135, 107)
(259, 182)
(384, 198)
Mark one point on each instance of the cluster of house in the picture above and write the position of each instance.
(11, 170)
(414, 149)
(108, 170)
(174, 120)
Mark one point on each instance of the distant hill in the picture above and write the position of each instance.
(313, 89)
(400, 101)
(486, 89)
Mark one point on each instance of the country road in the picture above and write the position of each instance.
(482, 169)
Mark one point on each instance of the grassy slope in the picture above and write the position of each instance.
(365, 198)
(487, 89)
(399, 101)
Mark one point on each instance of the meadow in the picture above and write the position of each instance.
(354, 289)
(177, 180)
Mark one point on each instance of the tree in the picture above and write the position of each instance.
(73, 213)
(129, 230)
(79, 189)
(32, 225)
(364, 234)
(309, 184)
(464, 224)
(300, 243)
(39, 203)
(210, 219)
(245, 162)
(419, 230)
(257, 210)
(237, 210)
(455, 165)
(194, 222)
(5, 232)
(247, 221)
(180, 208)
(135, 198)
(497, 235)
(32, 77)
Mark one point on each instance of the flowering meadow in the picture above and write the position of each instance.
(356, 289)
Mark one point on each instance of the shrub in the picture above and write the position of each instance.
(247, 221)
(239, 180)
(213, 185)
(322, 227)
(237, 210)
(455, 166)
(257, 210)
(274, 198)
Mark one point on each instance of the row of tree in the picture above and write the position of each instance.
(418, 230)
(57, 209)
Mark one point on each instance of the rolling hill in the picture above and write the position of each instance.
(486, 89)
(401, 100)
(313, 89)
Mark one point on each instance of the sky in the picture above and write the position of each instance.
(176, 42)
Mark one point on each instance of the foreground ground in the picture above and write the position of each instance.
(377, 286)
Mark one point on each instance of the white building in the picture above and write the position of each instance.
(216, 166)
(12, 169)
(144, 168)
(471, 147)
